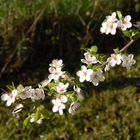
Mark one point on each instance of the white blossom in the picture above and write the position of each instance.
(36, 94)
(125, 23)
(57, 63)
(67, 77)
(9, 97)
(112, 18)
(59, 104)
(18, 108)
(89, 59)
(23, 92)
(77, 89)
(84, 74)
(61, 87)
(128, 61)
(39, 121)
(110, 25)
(33, 119)
(55, 73)
(97, 77)
(114, 59)
(73, 107)
(45, 83)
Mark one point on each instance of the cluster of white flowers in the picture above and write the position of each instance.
(23, 93)
(117, 59)
(66, 90)
(55, 70)
(111, 23)
(9, 97)
(86, 74)
(61, 83)
(90, 75)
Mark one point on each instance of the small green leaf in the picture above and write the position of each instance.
(116, 50)
(119, 14)
(37, 115)
(134, 32)
(126, 33)
(93, 49)
(136, 36)
(26, 121)
(96, 67)
(131, 33)
(19, 87)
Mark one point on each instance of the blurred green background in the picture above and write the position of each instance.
(33, 32)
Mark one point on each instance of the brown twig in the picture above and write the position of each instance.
(127, 45)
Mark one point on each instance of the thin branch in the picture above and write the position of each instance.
(127, 45)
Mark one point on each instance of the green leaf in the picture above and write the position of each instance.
(37, 115)
(137, 36)
(96, 67)
(26, 121)
(134, 32)
(93, 49)
(119, 14)
(126, 33)
(19, 87)
(131, 33)
(116, 50)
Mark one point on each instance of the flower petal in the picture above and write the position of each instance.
(60, 111)
(55, 108)
(5, 97)
(63, 99)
